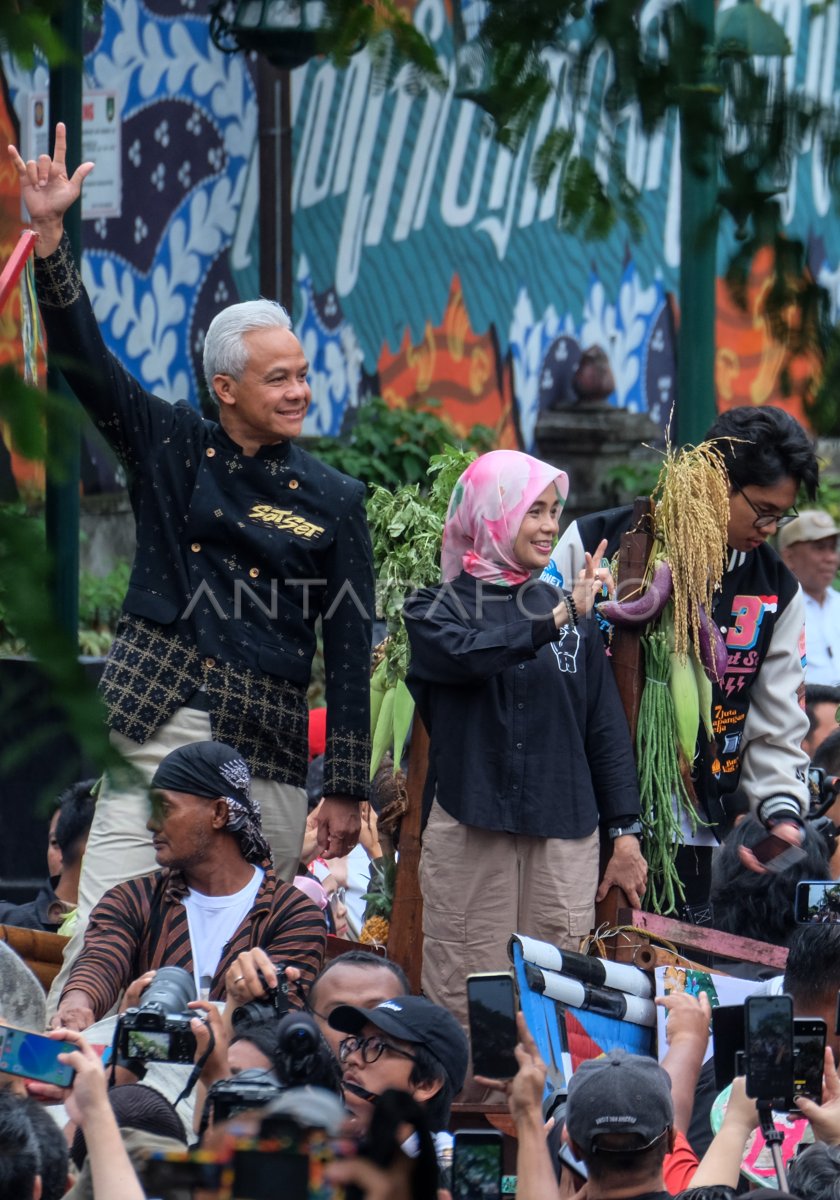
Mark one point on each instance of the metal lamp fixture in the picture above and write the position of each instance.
(745, 31)
(285, 31)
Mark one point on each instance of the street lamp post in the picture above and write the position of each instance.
(63, 436)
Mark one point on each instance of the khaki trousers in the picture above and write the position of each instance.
(119, 846)
(479, 887)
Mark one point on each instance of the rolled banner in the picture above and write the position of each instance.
(599, 972)
(603, 1000)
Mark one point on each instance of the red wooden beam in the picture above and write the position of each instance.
(14, 267)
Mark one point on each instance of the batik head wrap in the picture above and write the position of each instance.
(216, 771)
(485, 513)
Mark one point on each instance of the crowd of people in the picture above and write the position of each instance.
(195, 1002)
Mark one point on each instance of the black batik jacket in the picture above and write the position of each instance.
(236, 558)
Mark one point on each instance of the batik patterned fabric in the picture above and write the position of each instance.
(486, 510)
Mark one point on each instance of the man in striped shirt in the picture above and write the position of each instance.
(214, 901)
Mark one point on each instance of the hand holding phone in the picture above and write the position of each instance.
(782, 848)
(491, 1000)
(34, 1056)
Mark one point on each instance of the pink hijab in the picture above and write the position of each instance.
(485, 512)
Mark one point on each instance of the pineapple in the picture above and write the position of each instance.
(380, 899)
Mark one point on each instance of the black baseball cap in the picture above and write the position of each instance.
(413, 1019)
(618, 1093)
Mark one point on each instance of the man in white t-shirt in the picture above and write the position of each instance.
(215, 899)
(808, 547)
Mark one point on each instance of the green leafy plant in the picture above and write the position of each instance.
(390, 447)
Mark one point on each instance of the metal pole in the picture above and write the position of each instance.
(696, 406)
(63, 437)
(274, 103)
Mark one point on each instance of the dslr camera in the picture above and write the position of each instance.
(158, 1030)
(275, 1001)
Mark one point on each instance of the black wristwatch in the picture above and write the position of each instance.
(617, 831)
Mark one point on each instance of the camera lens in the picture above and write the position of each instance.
(170, 991)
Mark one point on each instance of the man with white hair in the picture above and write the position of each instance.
(243, 541)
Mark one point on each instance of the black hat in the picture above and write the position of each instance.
(618, 1093)
(413, 1019)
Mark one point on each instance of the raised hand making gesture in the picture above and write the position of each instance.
(48, 191)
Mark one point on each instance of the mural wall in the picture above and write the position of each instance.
(426, 262)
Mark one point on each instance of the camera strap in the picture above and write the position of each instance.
(199, 1067)
(358, 1090)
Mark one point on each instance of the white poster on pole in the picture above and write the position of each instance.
(101, 144)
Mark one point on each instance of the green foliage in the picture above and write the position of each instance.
(824, 409)
(27, 618)
(389, 447)
(406, 529)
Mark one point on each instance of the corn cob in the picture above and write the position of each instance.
(383, 736)
(403, 715)
(683, 688)
(704, 694)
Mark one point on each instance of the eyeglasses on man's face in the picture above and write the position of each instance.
(371, 1049)
(763, 520)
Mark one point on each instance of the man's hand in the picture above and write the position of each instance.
(825, 1117)
(47, 191)
(75, 1011)
(135, 990)
(626, 869)
(740, 1108)
(525, 1090)
(242, 983)
(688, 1018)
(788, 831)
(88, 1094)
(339, 825)
(217, 1066)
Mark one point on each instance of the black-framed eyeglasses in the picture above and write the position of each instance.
(371, 1048)
(763, 520)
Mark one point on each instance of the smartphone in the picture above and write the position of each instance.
(768, 1036)
(34, 1056)
(491, 1000)
(809, 1034)
(817, 902)
(477, 1165)
(776, 854)
(728, 1040)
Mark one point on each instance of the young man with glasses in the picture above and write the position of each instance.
(758, 721)
(406, 1043)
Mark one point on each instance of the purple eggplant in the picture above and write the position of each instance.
(632, 614)
(713, 653)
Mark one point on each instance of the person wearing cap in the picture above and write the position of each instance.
(407, 1043)
(808, 546)
(620, 1124)
(214, 908)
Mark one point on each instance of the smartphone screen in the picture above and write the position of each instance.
(477, 1165)
(776, 854)
(817, 902)
(809, 1035)
(728, 1039)
(491, 1000)
(768, 1035)
(34, 1056)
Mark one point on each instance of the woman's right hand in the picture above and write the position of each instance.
(587, 585)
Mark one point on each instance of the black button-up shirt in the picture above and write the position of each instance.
(527, 730)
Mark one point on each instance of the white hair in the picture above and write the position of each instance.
(225, 352)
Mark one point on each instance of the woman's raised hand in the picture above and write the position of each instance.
(590, 580)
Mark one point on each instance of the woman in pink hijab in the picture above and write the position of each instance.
(530, 754)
